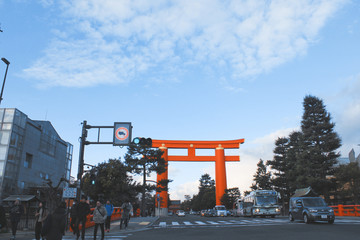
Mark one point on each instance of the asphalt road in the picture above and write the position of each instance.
(197, 228)
(278, 232)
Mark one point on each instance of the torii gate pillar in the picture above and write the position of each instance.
(220, 174)
(162, 210)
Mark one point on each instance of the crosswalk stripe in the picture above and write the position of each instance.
(224, 222)
(92, 237)
(200, 223)
(211, 222)
(243, 222)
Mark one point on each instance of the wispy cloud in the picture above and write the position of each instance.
(346, 104)
(111, 42)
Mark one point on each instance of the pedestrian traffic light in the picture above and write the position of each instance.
(144, 142)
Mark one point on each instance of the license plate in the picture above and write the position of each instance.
(323, 216)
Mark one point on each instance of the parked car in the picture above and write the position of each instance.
(310, 209)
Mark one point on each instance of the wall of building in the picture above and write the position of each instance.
(34, 153)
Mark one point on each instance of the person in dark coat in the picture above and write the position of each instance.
(55, 224)
(82, 210)
(73, 217)
(125, 216)
(2, 217)
(40, 216)
(16, 211)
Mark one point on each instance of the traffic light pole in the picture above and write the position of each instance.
(81, 159)
(83, 142)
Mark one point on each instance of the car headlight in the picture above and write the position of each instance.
(257, 210)
(277, 210)
(331, 210)
(313, 210)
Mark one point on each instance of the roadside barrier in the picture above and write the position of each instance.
(115, 216)
(89, 220)
(347, 210)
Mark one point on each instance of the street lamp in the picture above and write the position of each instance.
(7, 67)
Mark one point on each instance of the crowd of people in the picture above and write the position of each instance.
(52, 225)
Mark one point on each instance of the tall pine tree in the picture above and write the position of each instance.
(320, 143)
(143, 160)
(261, 177)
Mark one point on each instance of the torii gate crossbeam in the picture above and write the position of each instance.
(191, 146)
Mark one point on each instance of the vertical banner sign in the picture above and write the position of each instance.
(122, 133)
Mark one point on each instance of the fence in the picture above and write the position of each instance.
(89, 222)
(115, 216)
(347, 210)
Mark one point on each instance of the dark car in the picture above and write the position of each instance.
(210, 213)
(310, 209)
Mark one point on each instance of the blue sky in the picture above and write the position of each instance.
(184, 70)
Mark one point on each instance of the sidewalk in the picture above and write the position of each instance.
(135, 225)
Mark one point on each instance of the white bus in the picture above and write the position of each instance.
(258, 203)
(220, 211)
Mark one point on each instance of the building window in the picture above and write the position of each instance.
(28, 160)
(47, 143)
(9, 115)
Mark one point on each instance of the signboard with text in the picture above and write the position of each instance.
(69, 193)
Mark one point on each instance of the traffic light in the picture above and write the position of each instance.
(92, 177)
(145, 142)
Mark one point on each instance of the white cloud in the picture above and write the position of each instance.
(346, 109)
(111, 42)
(241, 174)
(188, 188)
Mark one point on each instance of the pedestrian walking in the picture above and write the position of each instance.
(40, 216)
(16, 211)
(125, 216)
(82, 210)
(2, 218)
(109, 209)
(73, 217)
(55, 224)
(99, 217)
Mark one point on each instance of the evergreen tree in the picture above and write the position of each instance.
(348, 178)
(111, 182)
(205, 199)
(143, 160)
(229, 197)
(281, 167)
(262, 178)
(320, 143)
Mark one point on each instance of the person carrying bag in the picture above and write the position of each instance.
(99, 217)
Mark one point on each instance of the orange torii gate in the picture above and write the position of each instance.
(191, 146)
